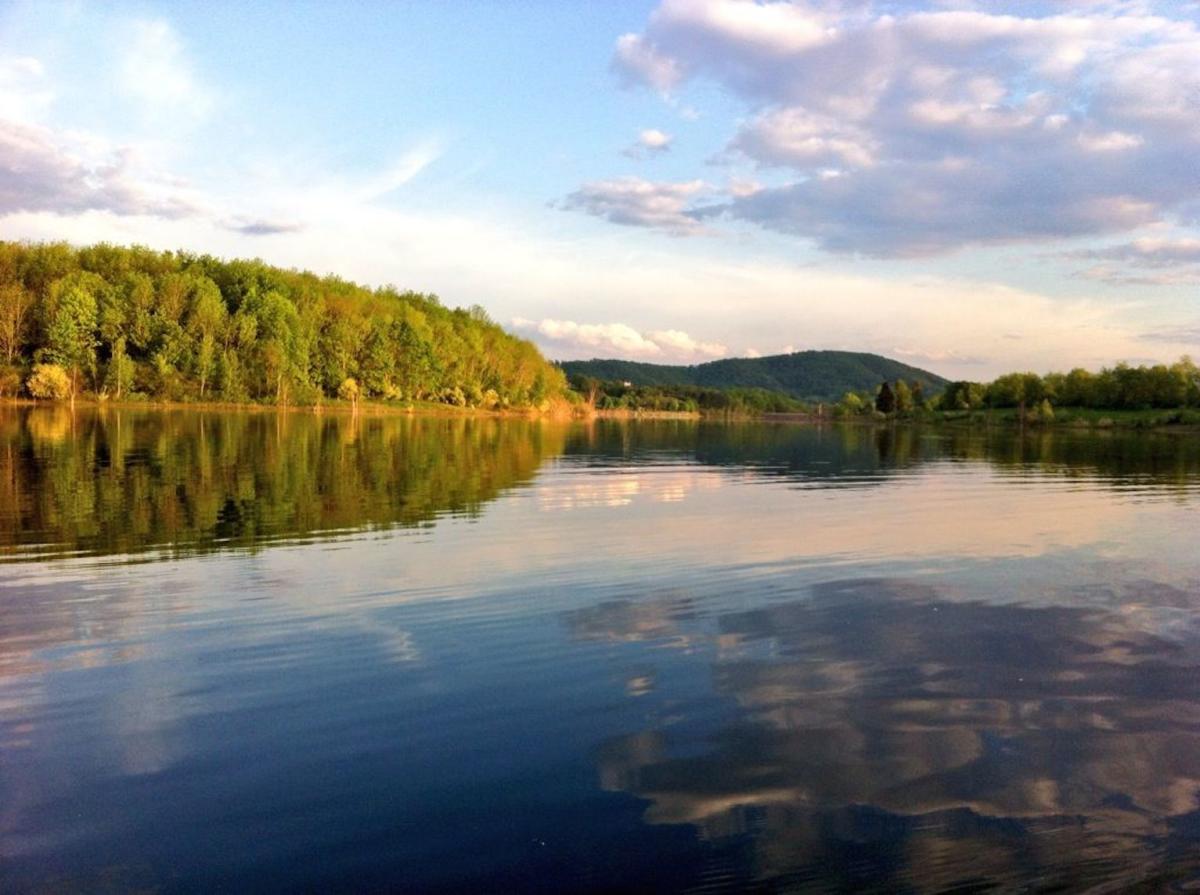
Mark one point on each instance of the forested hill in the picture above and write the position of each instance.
(132, 322)
(808, 375)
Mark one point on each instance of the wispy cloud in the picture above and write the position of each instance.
(1185, 334)
(1148, 261)
(25, 93)
(937, 356)
(157, 72)
(400, 172)
(262, 226)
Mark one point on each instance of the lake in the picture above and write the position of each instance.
(288, 652)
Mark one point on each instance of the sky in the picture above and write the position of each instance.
(969, 187)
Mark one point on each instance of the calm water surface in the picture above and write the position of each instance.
(265, 652)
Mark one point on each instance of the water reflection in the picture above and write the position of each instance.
(121, 482)
(887, 737)
(594, 657)
(116, 482)
(839, 456)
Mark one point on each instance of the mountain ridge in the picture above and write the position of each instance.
(807, 375)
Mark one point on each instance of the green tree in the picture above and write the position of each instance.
(120, 370)
(71, 335)
(206, 320)
(14, 313)
(348, 391)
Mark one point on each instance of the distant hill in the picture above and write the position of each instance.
(808, 375)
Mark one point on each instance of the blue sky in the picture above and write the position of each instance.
(972, 187)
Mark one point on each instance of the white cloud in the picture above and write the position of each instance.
(644, 203)
(41, 170)
(603, 337)
(649, 142)
(948, 127)
(1113, 141)
(618, 339)
(639, 63)
(797, 137)
(682, 344)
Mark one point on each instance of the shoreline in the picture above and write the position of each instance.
(365, 408)
(563, 411)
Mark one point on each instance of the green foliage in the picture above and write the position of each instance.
(184, 327)
(682, 399)
(962, 396)
(49, 381)
(1122, 387)
(852, 403)
(14, 314)
(805, 375)
(119, 379)
(71, 329)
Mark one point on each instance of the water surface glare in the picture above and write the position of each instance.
(289, 652)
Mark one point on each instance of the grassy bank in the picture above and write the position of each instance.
(1073, 417)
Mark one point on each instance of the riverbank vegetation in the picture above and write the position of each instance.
(125, 324)
(625, 396)
(1122, 395)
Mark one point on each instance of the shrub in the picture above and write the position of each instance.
(49, 381)
(454, 396)
(10, 381)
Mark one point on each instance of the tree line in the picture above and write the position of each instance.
(610, 395)
(130, 322)
(1121, 387)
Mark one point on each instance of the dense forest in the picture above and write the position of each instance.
(133, 323)
(804, 375)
